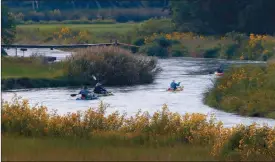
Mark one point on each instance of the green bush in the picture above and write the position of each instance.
(163, 42)
(212, 52)
(247, 90)
(179, 51)
(229, 51)
(154, 49)
(137, 42)
(112, 66)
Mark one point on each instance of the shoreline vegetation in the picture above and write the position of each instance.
(157, 37)
(246, 90)
(160, 134)
(117, 67)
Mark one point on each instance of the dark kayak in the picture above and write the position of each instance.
(88, 98)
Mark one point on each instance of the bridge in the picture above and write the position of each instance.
(25, 47)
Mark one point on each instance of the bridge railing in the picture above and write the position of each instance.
(25, 47)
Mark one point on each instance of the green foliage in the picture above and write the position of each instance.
(163, 42)
(219, 17)
(137, 42)
(179, 51)
(211, 53)
(159, 47)
(8, 27)
(156, 26)
(229, 51)
(154, 49)
(121, 11)
(247, 90)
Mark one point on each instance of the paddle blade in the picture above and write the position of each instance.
(73, 95)
(94, 77)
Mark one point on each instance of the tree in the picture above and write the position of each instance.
(8, 26)
(219, 17)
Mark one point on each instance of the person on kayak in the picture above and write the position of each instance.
(85, 92)
(174, 85)
(220, 70)
(99, 89)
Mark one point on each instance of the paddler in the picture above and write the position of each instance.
(220, 69)
(174, 85)
(99, 89)
(85, 93)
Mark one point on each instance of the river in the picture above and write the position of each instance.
(192, 73)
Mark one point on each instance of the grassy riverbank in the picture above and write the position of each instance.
(247, 90)
(31, 133)
(28, 67)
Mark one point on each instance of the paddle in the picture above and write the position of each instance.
(73, 95)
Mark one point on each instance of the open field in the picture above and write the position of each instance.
(29, 68)
(118, 27)
(83, 33)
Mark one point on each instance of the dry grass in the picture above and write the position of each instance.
(164, 130)
(54, 149)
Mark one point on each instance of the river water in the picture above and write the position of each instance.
(192, 73)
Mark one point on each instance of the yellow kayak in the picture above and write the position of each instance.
(177, 90)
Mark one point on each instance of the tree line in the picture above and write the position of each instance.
(222, 16)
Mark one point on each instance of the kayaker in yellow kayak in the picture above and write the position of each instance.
(174, 85)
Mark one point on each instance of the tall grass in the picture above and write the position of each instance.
(112, 65)
(248, 90)
(94, 149)
(164, 129)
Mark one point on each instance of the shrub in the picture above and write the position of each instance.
(179, 51)
(247, 143)
(112, 65)
(212, 52)
(230, 51)
(154, 49)
(137, 42)
(163, 128)
(163, 42)
(247, 90)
